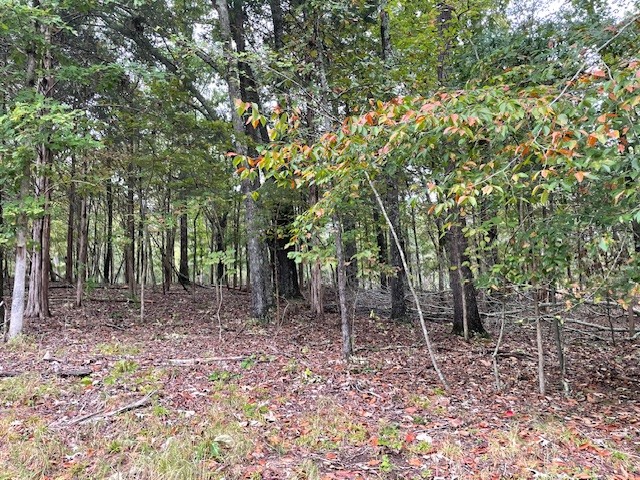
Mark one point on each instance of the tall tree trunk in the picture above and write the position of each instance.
(261, 297)
(16, 322)
(315, 283)
(68, 274)
(286, 268)
(278, 23)
(20, 276)
(183, 273)
(383, 253)
(398, 281)
(342, 291)
(2, 305)
(130, 228)
(350, 251)
(220, 246)
(461, 284)
(82, 261)
(385, 36)
(38, 300)
(108, 256)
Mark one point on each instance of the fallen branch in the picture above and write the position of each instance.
(83, 372)
(185, 362)
(101, 414)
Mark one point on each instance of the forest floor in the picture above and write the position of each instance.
(193, 394)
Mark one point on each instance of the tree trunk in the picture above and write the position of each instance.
(68, 274)
(399, 280)
(286, 268)
(220, 246)
(38, 298)
(183, 274)
(19, 278)
(350, 251)
(383, 253)
(82, 261)
(278, 23)
(2, 307)
(261, 298)
(130, 228)
(462, 284)
(315, 284)
(342, 291)
(108, 256)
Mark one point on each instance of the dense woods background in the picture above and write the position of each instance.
(469, 163)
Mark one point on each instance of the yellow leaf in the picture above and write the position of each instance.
(579, 176)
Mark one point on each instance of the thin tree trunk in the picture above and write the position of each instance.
(129, 249)
(461, 284)
(38, 298)
(383, 255)
(541, 377)
(315, 284)
(350, 251)
(286, 268)
(19, 279)
(68, 274)
(342, 291)
(108, 256)
(183, 276)
(399, 280)
(82, 261)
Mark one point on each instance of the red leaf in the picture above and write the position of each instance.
(508, 413)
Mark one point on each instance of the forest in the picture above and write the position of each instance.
(303, 239)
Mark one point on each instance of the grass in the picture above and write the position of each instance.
(330, 427)
(117, 349)
(27, 390)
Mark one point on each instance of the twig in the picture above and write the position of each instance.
(100, 414)
(597, 50)
(185, 362)
(423, 324)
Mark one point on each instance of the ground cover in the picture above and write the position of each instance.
(189, 394)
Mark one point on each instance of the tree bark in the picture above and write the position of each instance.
(286, 268)
(130, 229)
(350, 251)
(19, 279)
(461, 283)
(38, 300)
(278, 23)
(383, 253)
(399, 280)
(342, 290)
(261, 297)
(82, 261)
(108, 256)
(68, 274)
(183, 276)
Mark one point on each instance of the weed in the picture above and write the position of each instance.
(385, 464)
(419, 401)
(222, 376)
(248, 362)
(329, 427)
(307, 471)
(291, 367)
(389, 436)
(117, 349)
(22, 344)
(26, 390)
